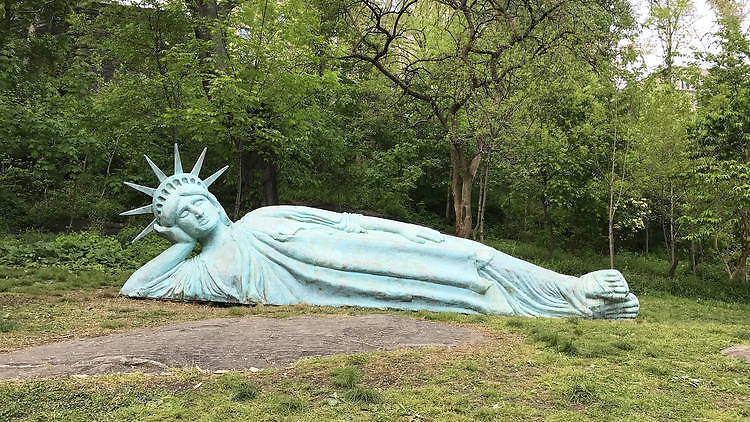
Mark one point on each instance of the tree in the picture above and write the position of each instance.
(661, 156)
(671, 20)
(445, 53)
(723, 153)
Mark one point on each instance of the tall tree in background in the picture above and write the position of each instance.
(723, 157)
(445, 53)
(671, 20)
(665, 115)
(661, 156)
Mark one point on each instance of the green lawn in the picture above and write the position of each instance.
(665, 365)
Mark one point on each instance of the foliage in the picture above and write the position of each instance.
(84, 250)
(88, 88)
(722, 211)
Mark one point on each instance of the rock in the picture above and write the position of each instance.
(217, 345)
(741, 352)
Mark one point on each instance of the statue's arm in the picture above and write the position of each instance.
(351, 223)
(413, 232)
(182, 245)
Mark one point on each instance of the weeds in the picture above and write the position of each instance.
(363, 395)
(345, 377)
(285, 404)
(113, 324)
(7, 325)
(241, 388)
(580, 390)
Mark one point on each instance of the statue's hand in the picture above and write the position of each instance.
(422, 234)
(174, 234)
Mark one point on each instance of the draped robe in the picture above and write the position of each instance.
(290, 255)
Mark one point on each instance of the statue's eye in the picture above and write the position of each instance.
(184, 214)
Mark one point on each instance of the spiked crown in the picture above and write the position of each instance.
(169, 185)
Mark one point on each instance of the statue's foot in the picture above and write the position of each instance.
(609, 296)
(626, 309)
(606, 284)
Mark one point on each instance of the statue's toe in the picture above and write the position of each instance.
(624, 309)
(606, 284)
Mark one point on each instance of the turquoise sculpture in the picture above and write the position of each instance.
(285, 255)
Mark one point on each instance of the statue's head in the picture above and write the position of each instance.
(182, 200)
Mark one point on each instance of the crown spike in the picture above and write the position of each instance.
(145, 231)
(199, 163)
(157, 171)
(146, 209)
(212, 178)
(177, 161)
(148, 191)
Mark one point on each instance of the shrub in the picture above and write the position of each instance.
(84, 250)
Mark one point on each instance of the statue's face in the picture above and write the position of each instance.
(196, 216)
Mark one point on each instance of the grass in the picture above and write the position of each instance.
(346, 377)
(665, 365)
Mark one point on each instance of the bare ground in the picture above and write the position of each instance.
(741, 352)
(230, 343)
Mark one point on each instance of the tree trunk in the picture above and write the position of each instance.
(481, 206)
(212, 31)
(672, 233)
(462, 181)
(548, 223)
(739, 265)
(484, 197)
(611, 221)
(526, 216)
(475, 230)
(240, 178)
(448, 203)
(258, 179)
(269, 184)
(611, 208)
(673, 268)
(692, 256)
(647, 239)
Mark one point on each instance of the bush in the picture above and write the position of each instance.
(84, 250)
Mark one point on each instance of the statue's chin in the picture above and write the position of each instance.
(205, 231)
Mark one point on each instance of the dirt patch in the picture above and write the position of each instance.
(738, 352)
(230, 343)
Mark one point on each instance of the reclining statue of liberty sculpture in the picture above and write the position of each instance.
(285, 255)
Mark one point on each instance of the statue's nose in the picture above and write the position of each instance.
(197, 211)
